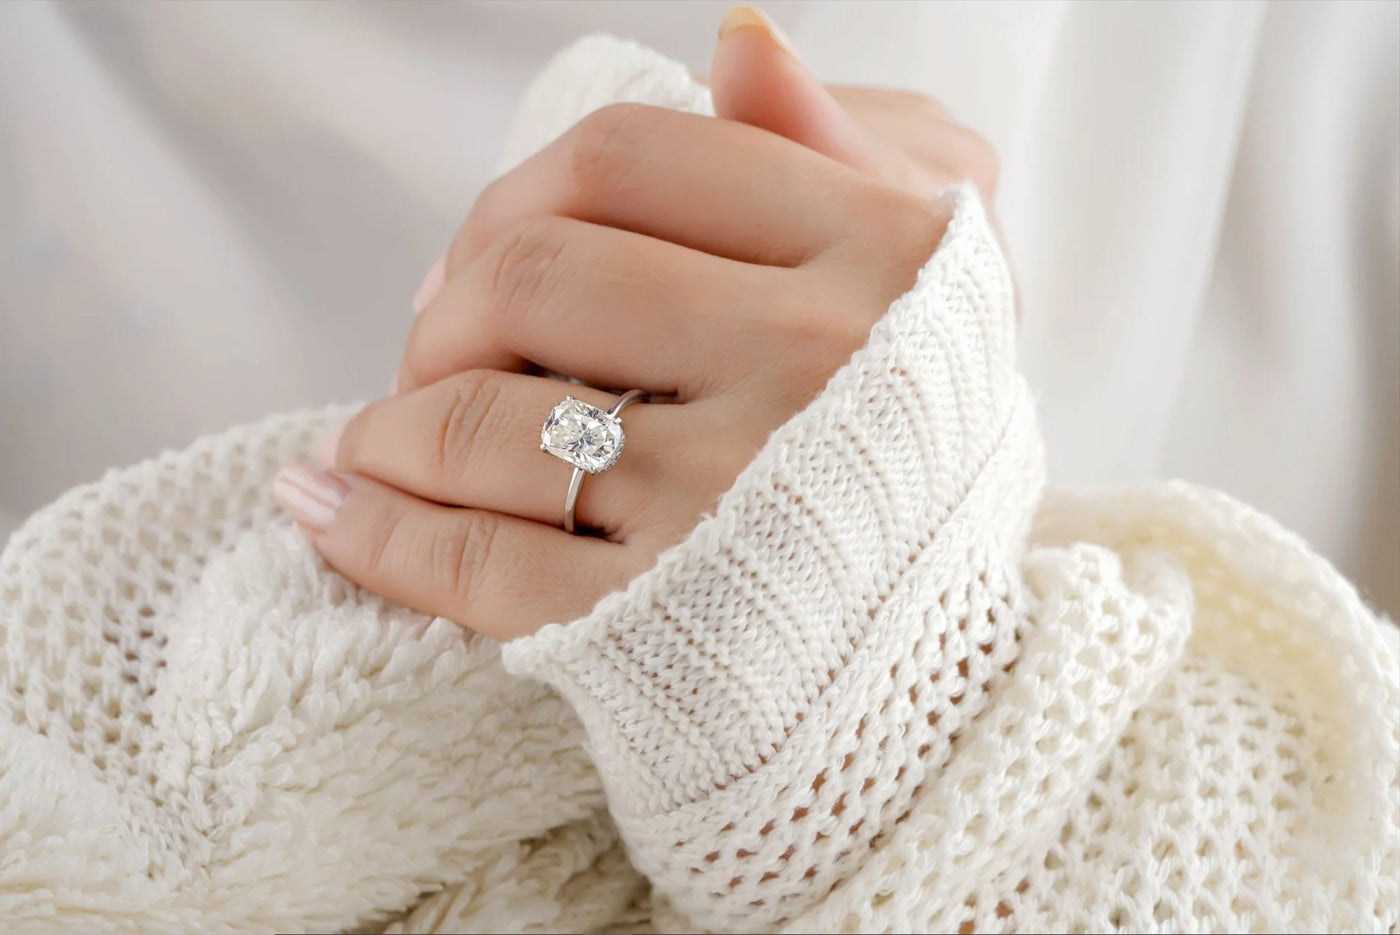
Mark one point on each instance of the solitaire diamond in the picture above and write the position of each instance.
(583, 435)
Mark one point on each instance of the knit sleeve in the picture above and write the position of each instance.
(766, 700)
(862, 697)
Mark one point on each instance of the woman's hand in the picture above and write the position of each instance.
(713, 264)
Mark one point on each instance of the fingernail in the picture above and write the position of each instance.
(329, 444)
(432, 285)
(312, 497)
(743, 16)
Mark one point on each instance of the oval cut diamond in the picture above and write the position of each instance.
(583, 435)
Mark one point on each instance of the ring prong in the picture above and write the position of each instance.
(587, 438)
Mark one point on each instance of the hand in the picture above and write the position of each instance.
(706, 261)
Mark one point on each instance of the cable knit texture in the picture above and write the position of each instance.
(885, 687)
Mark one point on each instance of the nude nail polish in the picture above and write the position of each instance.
(312, 497)
(742, 16)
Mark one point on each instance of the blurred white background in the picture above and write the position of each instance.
(213, 211)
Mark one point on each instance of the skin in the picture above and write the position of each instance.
(729, 266)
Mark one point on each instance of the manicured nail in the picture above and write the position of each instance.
(432, 285)
(743, 16)
(329, 444)
(312, 497)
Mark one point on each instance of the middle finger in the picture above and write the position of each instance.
(713, 185)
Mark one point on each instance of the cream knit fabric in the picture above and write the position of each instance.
(885, 687)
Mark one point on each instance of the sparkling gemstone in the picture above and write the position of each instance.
(583, 435)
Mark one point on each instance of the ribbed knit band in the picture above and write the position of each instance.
(876, 529)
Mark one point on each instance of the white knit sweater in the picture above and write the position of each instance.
(887, 686)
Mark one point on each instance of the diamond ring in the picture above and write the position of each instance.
(586, 437)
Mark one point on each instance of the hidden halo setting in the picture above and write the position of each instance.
(587, 438)
(583, 435)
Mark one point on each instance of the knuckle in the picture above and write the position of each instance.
(355, 449)
(460, 553)
(348, 445)
(477, 230)
(471, 403)
(421, 351)
(381, 557)
(915, 226)
(606, 146)
(524, 267)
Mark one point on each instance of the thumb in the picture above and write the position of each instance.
(757, 78)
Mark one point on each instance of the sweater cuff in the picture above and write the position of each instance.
(700, 671)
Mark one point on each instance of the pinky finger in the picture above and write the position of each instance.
(496, 574)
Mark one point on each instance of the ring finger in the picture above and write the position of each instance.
(473, 440)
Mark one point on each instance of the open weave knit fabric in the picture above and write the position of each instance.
(887, 686)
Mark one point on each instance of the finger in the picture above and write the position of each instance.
(757, 78)
(859, 99)
(609, 307)
(498, 575)
(711, 185)
(473, 439)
